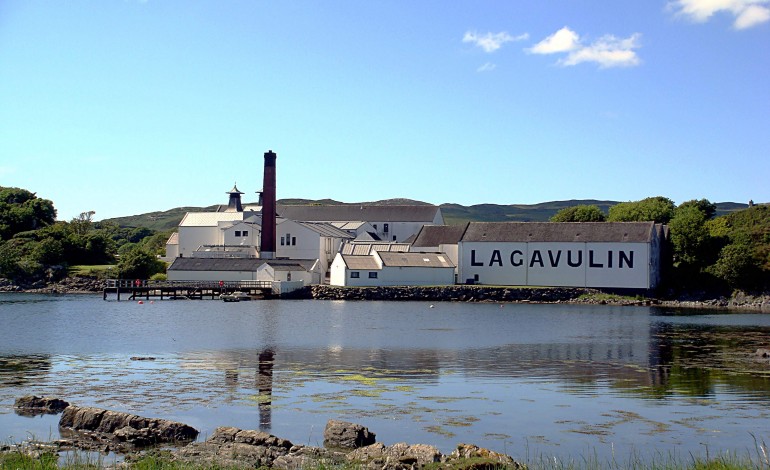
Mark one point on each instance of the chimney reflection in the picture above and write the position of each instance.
(265, 387)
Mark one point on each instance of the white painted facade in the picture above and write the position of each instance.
(420, 269)
(269, 272)
(621, 265)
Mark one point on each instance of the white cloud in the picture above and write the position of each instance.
(607, 51)
(488, 67)
(747, 13)
(490, 42)
(563, 40)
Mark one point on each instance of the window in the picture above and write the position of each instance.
(282, 241)
(237, 233)
(245, 233)
(293, 240)
(375, 226)
(385, 228)
(372, 275)
(354, 274)
(394, 238)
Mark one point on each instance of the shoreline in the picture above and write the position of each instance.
(456, 293)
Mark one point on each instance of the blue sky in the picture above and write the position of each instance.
(126, 106)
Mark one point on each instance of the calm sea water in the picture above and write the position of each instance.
(528, 380)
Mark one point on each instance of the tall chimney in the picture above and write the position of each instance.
(267, 243)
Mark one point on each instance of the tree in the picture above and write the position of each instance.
(21, 210)
(581, 213)
(735, 265)
(692, 242)
(658, 209)
(140, 264)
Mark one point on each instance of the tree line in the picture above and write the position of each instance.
(708, 252)
(35, 246)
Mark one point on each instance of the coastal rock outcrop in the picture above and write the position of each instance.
(344, 435)
(31, 405)
(120, 431)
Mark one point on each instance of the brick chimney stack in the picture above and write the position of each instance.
(267, 242)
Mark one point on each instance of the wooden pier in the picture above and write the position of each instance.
(183, 290)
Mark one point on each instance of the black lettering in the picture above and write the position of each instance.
(554, 262)
(496, 258)
(609, 258)
(536, 258)
(591, 263)
(515, 262)
(579, 260)
(473, 259)
(629, 259)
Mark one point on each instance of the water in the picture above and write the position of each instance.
(528, 380)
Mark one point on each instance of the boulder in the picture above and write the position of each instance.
(399, 456)
(344, 435)
(479, 458)
(31, 405)
(124, 427)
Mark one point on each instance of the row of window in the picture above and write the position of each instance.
(288, 240)
(356, 274)
(239, 233)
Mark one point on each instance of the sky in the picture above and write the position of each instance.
(124, 107)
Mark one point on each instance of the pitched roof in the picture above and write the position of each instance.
(369, 213)
(640, 232)
(291, 264)
(435, 235)
(209, 219)
(424, 260)
(326, 230)
(173, 239)
(360, 262)
(368, 248)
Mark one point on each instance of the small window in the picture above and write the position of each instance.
(354, 274)
(372, 274)
(282, 241)
(375, 226)
(394, 238)
(385, 228)
(237, 233)
(293, 240)
(245, 233)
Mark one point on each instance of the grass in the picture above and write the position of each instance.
(13, 458)
(96, 270)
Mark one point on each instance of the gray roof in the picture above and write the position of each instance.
(326, 230)
(369, 213)
(641, 232)
(367, 248)
(435, 235)
(291, 264)
(426, 260)
(360, 262)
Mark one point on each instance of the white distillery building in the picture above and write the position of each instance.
(388, 223)
(625, 255)
(439, 239)
(245, 269)
(392, 268)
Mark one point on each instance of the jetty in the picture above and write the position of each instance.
(142, 289)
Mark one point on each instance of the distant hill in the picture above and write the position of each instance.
(453, 213)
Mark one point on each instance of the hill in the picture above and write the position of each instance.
(453, 213)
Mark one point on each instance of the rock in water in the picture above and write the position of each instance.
(344, 435)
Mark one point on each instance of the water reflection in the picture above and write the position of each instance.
(564, 377)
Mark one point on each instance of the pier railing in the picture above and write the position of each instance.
(226, 285)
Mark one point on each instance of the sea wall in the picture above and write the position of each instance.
(449, 293)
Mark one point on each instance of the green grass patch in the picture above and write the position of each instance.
(94, 270)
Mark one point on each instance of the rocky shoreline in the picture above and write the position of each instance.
(457, 293)
(345, 444)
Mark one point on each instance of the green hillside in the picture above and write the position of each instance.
(453, 213)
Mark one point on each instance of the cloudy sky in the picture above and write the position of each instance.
(127, 106)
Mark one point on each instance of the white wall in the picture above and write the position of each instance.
(252, 239)
(174, 275)
(622, 265)
(308, 242)
(338, 275)
(190, 238)
(414, 276)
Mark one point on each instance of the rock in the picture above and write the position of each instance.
(32, 405)
(115, 426)
(480, 458)
(344, 435)
(399, 456)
